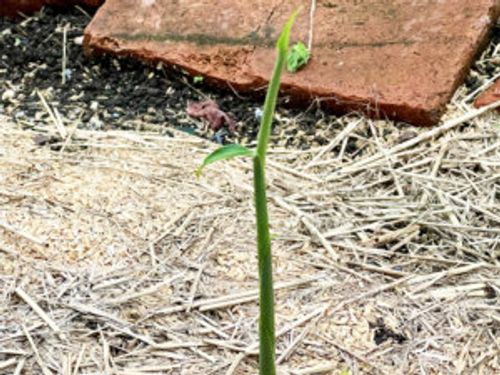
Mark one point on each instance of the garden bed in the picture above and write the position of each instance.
(114, 258)
(104, 92)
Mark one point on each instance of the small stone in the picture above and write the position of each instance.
(20, 114)
(78, 40)
(68, 73)
(8, 95)
(95, 122)
(258, 113)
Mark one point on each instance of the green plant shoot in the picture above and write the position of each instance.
(198, 79)
(266, 298)
(298, 57)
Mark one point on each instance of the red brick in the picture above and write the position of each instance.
(491, 95)
(12, 7)
(401, 60)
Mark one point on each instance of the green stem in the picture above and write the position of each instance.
(269, 107)
(273, 90)
(266, 321)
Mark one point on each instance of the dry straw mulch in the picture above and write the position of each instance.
(114, 259)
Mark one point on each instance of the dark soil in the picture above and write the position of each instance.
(488, 65)
(382, 333)
(105, 92)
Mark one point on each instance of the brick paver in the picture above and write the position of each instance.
(397, 59)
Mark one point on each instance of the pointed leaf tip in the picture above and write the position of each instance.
(284, 38)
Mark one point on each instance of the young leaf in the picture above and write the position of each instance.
(224, 153)
(298, 57)
(198, 79)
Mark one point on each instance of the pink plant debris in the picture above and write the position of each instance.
(210, 111)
